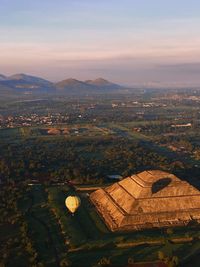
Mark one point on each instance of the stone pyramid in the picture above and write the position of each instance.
(146, 200)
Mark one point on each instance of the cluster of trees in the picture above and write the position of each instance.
(87, 160)
(172, 261)
(16, 245)
(165, 126)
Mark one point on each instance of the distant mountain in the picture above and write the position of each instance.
(71, 83)
(73, 86)
(89, 86)
(2, 77)
(23, 83)
(100, 82)
(29, 79)
(27, 84)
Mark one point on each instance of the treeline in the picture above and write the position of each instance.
(16, 246)
(84, 160)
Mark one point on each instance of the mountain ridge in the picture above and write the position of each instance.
(28, 78)
(24, 83)
(2, 77)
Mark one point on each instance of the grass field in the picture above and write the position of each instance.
(43, 227)
(85, 238)
(76, 130)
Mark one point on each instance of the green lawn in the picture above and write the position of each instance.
(43, 227)
(84, 236)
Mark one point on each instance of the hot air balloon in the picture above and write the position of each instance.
(72, 203)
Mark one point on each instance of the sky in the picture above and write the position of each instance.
(126, 41)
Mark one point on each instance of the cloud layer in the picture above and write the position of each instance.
(131, 42)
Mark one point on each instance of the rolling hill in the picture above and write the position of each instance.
(89, 86)
(102, 83)
(22, 83)
(26, 84)
(2, 77)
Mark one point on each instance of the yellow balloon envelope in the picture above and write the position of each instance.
(72, 203)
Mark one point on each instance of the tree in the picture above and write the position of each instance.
(65, 263)
(161, 255)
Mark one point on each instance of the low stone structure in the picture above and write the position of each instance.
(146, 200)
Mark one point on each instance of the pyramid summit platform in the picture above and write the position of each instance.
(146, 200)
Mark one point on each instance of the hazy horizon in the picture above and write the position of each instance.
(129, 42)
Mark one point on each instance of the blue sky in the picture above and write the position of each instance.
(129, 41)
